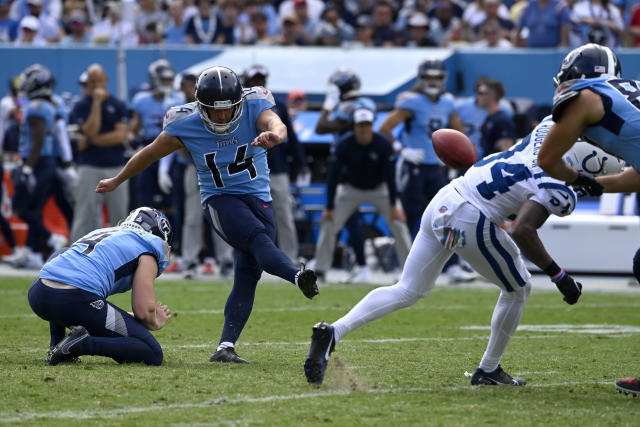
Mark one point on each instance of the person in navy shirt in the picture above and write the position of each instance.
(74, 284)
(498, 132)
(227, 132)
(102, 119)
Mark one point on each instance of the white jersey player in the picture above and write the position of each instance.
(465, 218)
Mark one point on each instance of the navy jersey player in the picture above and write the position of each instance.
(424, 109)
(74, 285)
(465, 218)
(227, 132)
(592, 100)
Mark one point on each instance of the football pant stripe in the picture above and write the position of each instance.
(485, 252)
(505, 255)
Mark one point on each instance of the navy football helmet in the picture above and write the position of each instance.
(347, 81)
(37, 81)
(161, 76)
(219, 88)
(432, 69)
(150, 220)
(586, 62)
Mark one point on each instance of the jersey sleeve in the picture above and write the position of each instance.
(38, 108)
(159, 250)
(173, 116)
(557, 198)
(407, 101)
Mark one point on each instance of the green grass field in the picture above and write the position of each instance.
(406, 369)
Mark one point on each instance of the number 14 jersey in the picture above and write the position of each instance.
(500, 184)
(226, 164)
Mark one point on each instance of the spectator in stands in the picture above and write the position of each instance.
(231, 29)
(111, 29)
(150, 21)
(28, 34)
(103, 122)
(367, 161)
(48, 28)
(385, 35)
(331, 19)
(280, 169)
(444, 26)
(21, 8)
(491, 8)
(634, 27)
(176, 31)
(292, 34)
(595, 21)
(8, 26)
(475, 13)
(203, 27)
(491, 36)
(498, 131)
(544, 23)
(408, 9)
(260, 27)
(78, 27)
(326, 35)
(312, 9)
(417, 33)
(306, 21)
(365, 31)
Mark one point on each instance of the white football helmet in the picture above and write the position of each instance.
(592, 161)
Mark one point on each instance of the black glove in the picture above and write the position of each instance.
(570, 289)
(586, 184)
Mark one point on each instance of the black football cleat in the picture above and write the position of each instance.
(629, 385)
(322, 345)
(226, 355)
(307, 282)
(68, 349)
(497, 377)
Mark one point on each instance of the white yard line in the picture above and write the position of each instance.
(110, 413)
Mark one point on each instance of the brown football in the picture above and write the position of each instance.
(454, 148)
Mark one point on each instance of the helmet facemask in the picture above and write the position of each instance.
(222, 128)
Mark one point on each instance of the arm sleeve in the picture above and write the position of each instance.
(557, 198)
(335, 167)
(62, 136)
(389, 171)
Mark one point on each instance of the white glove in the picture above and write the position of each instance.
(69, 175)
(331, 98)
(164, 182)
(303, 179)
(413, 155)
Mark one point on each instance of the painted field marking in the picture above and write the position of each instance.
(110, 413)
(566, 328)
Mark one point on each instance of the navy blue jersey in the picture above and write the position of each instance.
(619, 130)
(104, 261)
(226, 164)
(428, 117)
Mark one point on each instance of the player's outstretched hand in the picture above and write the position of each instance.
(107, 185)
(266, 140)
(570, 289)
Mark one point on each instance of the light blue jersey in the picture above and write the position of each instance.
(428, 117)
(104, 261)
(226, 164)
(47, 111)
(473, 116)
(61, 113)
(619, 130)
(152, 110)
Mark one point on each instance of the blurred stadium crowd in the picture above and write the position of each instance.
(482, 23)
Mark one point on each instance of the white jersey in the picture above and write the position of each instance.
(500, 184)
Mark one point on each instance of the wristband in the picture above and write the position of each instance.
(27, 170)
(552, 269)
(556, 278)
(397, 145)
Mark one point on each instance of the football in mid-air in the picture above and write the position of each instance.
(454, 148)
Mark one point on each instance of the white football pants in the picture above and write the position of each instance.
(450, 224)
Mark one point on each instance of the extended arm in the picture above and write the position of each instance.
(624, 182)
(273, 130)
(325, 125)
(160, 147)
(153, 315)
(394, 118)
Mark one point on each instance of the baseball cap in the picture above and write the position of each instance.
(30, 23)
(418, 19)
(84, 77)
(363, 115)
(295, 95)
(299, 2)
(256, 70)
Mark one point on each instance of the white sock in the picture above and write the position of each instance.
(504, 322)
(225, 344)
(377, 303)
